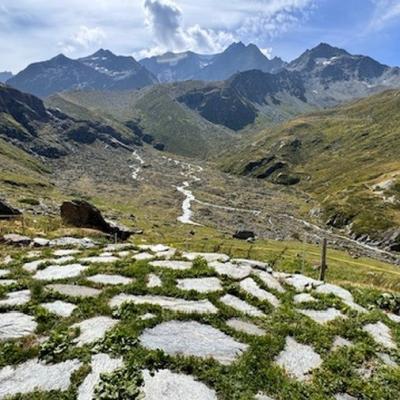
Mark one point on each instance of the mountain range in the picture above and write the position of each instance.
(102, 70)
(5, 76)
(237, 57)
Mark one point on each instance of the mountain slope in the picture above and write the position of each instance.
(125, 73)
(332, 75)
(239, 101)
(158, 114)
(102, 70)
(345, 158)
(4, 76)
(238, 58)
(171, 67)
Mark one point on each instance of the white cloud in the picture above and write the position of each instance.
(165, 20)
(386, 12)
(85, 38)
(274, 18)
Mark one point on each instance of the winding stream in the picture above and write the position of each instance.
(136, 168)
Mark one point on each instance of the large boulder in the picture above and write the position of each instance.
(244, 235)
(6, 211)
(81, 214)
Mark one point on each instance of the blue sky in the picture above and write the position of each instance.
(33, 30)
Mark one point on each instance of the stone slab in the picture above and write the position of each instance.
(171, 264)
(167, 385)
(381, 334)
(250, 287)
(209, 257)
(245, 327)
(105, 279)
(15, 325)
(74, 290)
(234, 271)
(35, 375)
(58, 272)
(322, 316)
(201, 285)
(101, 364)
(298, 360)
(153, 281)
(269, 281)
(195, 339)
(18, 298)
(93, 329)
(241, 305)
(60, 308)
(169, 303)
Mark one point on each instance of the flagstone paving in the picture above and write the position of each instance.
(211, 310)
(60, 308)
(174, 265)
(251, 287)
(18, 298)
(322, 316)
(56, 272)
(302, 283)
(167, 385)
(201, 285)
(303, 298)
(245, 327)
(100, 364)
(93, 329)
(381, 334)
(269, 281)
(195, 339)
(110, 279)
(169, 303)
(250, 263)
(33, 374)
(153, 281)
(74, 290)
(209, 257)
(34, 265)
(298, 359)
(99, 259)
(241, 305)
(234, 271)
(15, 325)
(143, 256)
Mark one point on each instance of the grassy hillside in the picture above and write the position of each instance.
(156, 111)
(347, 158)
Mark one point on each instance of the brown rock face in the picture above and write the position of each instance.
(81, 214)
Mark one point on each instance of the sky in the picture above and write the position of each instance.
(36, 30)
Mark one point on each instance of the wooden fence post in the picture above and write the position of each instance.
(323, 259)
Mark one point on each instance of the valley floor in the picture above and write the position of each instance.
(169, 194)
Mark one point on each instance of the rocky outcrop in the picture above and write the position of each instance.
(16, 240)
(244, 235)
(6, 211)
(81, 214)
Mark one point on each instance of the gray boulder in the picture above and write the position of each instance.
(16, 240)
(244, 235)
